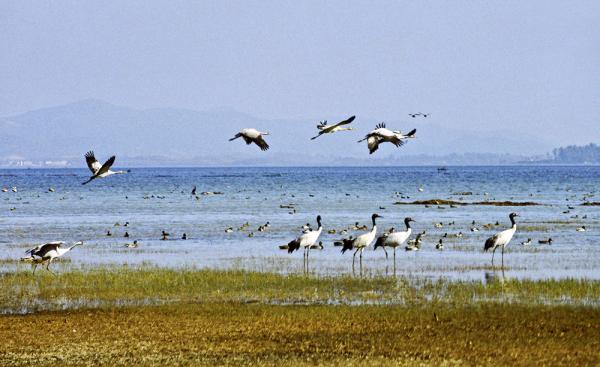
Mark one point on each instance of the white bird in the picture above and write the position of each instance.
(253, 136)
(581, 229)
(501, 239)
(360, 242)
(307, 240)
(98, 170)
(381, 135)
(46, 253)
(329, 129)
(394, 239)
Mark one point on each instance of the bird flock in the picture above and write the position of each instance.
(309, 238)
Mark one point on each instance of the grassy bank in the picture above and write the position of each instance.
(258, 334)
(119, 286)
(154, 316)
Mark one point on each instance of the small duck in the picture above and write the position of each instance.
(439, 225)
(184, 237)
(132, 245)
(581, 229)
(332, 231)
(108, 233)
(526, 243)
(439, 245)
(165, 235)
(545, 242)
(228, 229)
(317, 246)
(126, 235)
(474, 229)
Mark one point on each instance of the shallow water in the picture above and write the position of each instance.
(155, 199)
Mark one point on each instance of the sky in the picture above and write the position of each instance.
(509, 66)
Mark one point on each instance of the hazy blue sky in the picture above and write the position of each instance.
(522, 65)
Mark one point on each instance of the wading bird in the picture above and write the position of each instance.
(501, 239)
(381, 135)
(47, 252)
(394, 239)
(98, 170)
(253, 136)
(307, 240)
(329, 129)
(360, 242)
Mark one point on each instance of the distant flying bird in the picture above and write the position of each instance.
(381, 135)
(98, 170)
(329, 129)
(253, 136)
(47, 252)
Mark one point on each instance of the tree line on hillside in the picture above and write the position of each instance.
(589, 154)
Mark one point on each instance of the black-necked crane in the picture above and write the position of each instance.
(100, 170)
(47, 252)
(501, 239)
(381, 134)
(253, 136)
(307, 240)
(360, 242)
(395, 239)
(332, 128)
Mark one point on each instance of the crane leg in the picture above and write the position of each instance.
(394, 261)
(386, 254)
(493, 252)
(503, 257)
(34, 267)
(353, 259)
(48, 267)
(360, 259)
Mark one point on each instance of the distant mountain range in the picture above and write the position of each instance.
(59, 136)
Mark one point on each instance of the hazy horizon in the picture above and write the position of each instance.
(526, 73)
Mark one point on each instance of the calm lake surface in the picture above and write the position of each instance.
(156, 199)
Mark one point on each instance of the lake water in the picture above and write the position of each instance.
(156, 199)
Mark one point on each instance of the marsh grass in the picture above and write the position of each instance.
(123, 285)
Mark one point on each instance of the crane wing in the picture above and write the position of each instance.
(261, 143)
(372, 143)
(106, 166)
(346, 122)
(92, 162)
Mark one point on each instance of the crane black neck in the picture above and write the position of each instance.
(407, 223)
